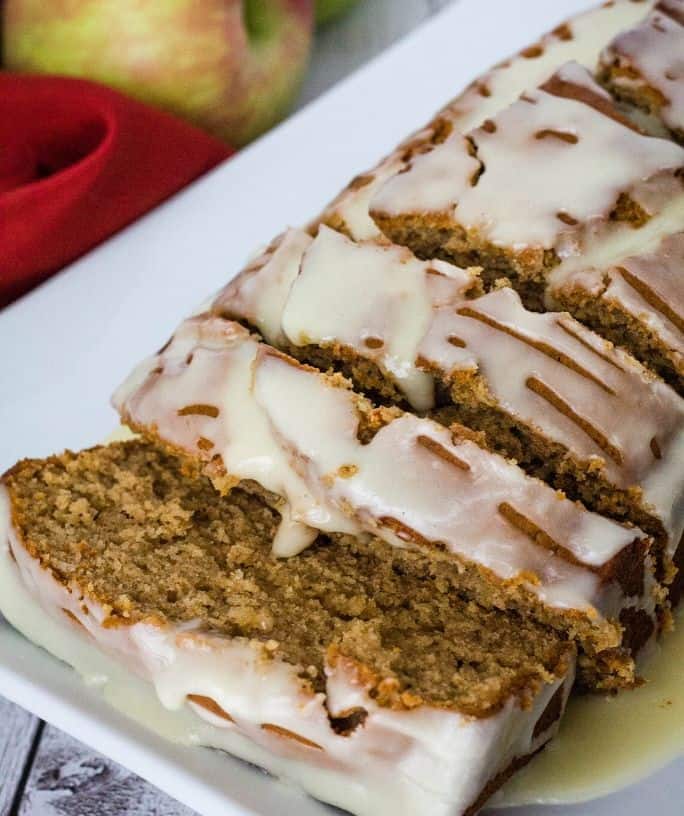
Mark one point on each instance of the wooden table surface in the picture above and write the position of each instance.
(44, 772)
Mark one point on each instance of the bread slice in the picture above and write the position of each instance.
(331, 462)
(643, 67)
(581, 38)
(642, 309)
(360, 673)
(534, 184)
(542, 389)
(631, 293)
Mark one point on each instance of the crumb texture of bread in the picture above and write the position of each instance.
(643, 67)
(147, 541)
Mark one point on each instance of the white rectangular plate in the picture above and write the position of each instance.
(71, 341)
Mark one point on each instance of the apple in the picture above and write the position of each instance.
(327, 10)
(233, 67)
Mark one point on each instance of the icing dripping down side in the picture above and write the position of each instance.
(417, 320)
(607, 743)
(259, 711)
(215, 392)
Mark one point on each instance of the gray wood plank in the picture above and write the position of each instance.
(18, 730)
(69, 779)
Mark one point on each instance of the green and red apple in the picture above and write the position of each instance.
(233, 67)
(327, 10)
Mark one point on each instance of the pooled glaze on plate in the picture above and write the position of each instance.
(607, 743)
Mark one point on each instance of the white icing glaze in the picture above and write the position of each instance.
(222, 356)
(295, 432)
(652, 55)
(601, 385)
(546, 160)
(385, 481)
(431, 182)
(653, 254)
(656, 271)
(621, 241)
(660, 271)
(346, 293)
(426, 761)
(349, 210)
(580, 39)
(607, 743)
(250, 299)
(378, 298)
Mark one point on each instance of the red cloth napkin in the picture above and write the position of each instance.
(78, 162)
